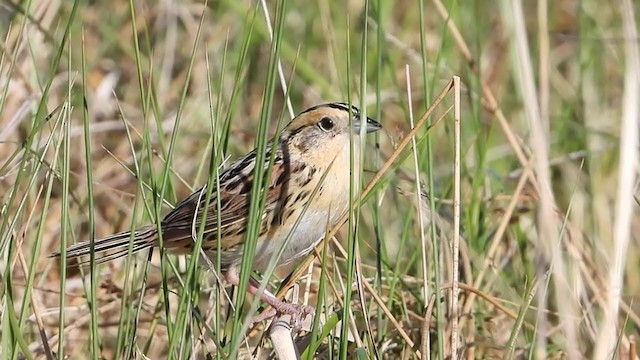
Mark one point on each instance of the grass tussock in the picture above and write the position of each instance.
(110, 112)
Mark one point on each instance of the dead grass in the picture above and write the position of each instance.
(541, 163)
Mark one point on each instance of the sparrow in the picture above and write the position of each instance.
(306, 193)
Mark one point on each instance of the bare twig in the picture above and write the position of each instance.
(425, 347)
(280, 333)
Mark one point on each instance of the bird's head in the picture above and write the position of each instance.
(323, 132)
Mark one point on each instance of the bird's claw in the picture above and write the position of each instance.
(298, 313)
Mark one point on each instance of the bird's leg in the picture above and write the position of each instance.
(297, 311)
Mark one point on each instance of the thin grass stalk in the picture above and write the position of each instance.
(93, 302)
(548, 226)
(64, 218)
(377, 216)
(186, 293)
(608, 337)
(423, 239)
(283, 82)
(12, 63)
(254, 214)
(527, 298)
(140, 200)
(37, 311)
(544, 67)
(310, 351)
(226, 126)
(455, 289)
(215, 108)
(364, 46)
(41, 225)
(214, 173)
(371, 344)
(214, 183)
(260, 177)
(344, 330)
(275, 258)
(127, 330)
(27, 298)
(433, 231)
(125, 338)
(481, 134)
(149, 152)
(14, 331)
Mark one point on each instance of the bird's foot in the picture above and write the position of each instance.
(298, 312)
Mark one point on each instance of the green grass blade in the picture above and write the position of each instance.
(260, 177)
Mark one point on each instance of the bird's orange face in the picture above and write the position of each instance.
(322, 134)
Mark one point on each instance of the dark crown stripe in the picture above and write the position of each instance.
(336, 105)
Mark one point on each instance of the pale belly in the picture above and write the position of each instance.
(295, 241)
(329, 206)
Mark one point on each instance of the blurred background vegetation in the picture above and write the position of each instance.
(96, 88)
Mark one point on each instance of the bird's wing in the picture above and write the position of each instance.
(235, 194)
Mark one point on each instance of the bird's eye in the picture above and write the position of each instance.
(326, 124)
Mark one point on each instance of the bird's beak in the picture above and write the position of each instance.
(371, 125)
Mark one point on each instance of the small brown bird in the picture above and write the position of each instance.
(312, 152)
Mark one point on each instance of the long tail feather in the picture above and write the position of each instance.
(113, 246)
